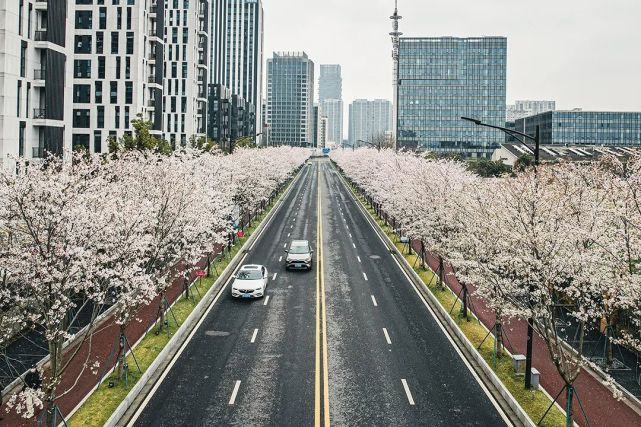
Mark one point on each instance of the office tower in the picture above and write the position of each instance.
(521, 109)
(578, 127)
(330, 90)
(236, 51)
(36, 59)
(290, 98)
(332, 109)
(444, 78)
(330, 82)
(369, 120)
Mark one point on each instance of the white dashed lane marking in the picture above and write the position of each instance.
(234, 393)
(374, 301)
(254, 335)
(408, 393)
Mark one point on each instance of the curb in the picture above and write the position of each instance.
(493, 384)
(134, 399)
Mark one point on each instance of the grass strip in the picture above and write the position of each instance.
(97, 409)
(533, 402)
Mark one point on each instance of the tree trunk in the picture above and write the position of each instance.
(608, 343)
(55, 359)
(440, 271)
(498, 329)
(161, 311)
(121, 353)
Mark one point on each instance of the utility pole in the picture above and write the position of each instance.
(396, 42)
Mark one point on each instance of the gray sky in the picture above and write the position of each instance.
(580, 53)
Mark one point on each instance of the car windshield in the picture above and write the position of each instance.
(249, 275)
(299, 249)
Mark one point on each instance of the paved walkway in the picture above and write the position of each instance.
(600, 405)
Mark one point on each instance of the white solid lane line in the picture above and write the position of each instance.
(374, 301)
(386, 336)
(275, 274)
(235, 392)
(408, 393)
(353, 244)
(266, 300)
(365, 276)
(280, 259)
(289, 234)
(358, 258)
(254, 336)
(285, 245)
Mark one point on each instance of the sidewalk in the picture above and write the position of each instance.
(600, 405)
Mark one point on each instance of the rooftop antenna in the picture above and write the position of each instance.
(396, 41)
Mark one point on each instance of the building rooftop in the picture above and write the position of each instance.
(556, 153)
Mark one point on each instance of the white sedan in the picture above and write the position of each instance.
(250, 282)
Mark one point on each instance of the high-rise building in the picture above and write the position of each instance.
(330, 92)
(578, 127)
(36, 63)
(236, 52)
(369, 120)
(441, 79)
(290, 98)
(330, 82)
(333, 110)
(521, 109)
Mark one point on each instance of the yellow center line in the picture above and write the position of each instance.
(317, 353)
(321, 326)
(322, 284)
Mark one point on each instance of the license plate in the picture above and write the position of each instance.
(298, 265)
(246, 296)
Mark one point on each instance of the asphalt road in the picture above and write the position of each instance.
(349, 343)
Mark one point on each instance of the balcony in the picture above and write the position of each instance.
(41, 4)
(40, 36)
(37, 152)
(39, 74)
(151, 103)
(39, 113)
(151, 79)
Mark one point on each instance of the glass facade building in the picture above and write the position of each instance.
(290, 99)
(444, 78)
(585, 127)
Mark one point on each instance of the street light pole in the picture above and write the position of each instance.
(537, 157)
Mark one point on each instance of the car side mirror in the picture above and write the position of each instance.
(312, 251)
(286, 251)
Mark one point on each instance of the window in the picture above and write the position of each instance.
(117, 117)
(23, 59)
(84, 1)
(81, 118)
(100, 41)
(184, 70)
(113, 92)
(80, 142)
(98, 94)
(129, 18)
(126, 117)
(29, 16)
(102, 18)
(118, 63)
(101, 117)
(130, 43)
(127, 67)
(129, 93)
(82, 44)
(28, 97)
(101, 67)
(21, 139)
(97, 141)
(82, 94)
(84, 19)
(174, 70)
(18, 98)
(20, 7)
(119, 18)
(82, 68)
(114, 42)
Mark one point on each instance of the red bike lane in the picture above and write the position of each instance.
(601, 407)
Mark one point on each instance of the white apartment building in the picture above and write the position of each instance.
(369, 119)
(35, 95)
(333, 110)
(522, 109)
(74, 73)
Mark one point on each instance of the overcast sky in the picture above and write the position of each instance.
(580, 53)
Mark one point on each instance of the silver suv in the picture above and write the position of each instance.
(299, 255)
